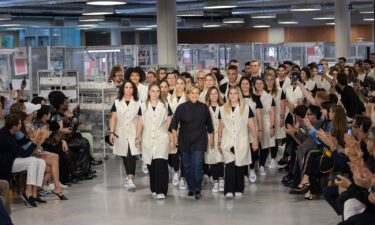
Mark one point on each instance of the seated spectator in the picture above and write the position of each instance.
(4, 195)
(4, 216)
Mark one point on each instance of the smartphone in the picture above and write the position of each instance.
(320, 68)
(350, 131)
(24, 81)
(10, 86)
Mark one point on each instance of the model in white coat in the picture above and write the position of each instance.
(209, 81)
(268, 121)
(256, 107)
(125, 113)
(235, 120)
(279, 97)
(138, 76)
(164, 90)
(155, 140)
(282, 81)
(175, 99)
(214, 157)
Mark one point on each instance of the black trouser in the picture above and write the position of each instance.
(289, 139)
(206, 170)
(260, 154)
(312, 170)
(175, 161)
(129, 163)
(274, 150)
(80, 149)
(217, 170)
(234, 181)
(158, 171)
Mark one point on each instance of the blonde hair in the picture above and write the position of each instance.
(228, 106)
(213, 77)
(207, 97)
(174, 94)
(191, 89)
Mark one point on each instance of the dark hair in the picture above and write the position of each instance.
(163, 80)
(12, 120)
(296, 67)
(300, 110)
(307, 71)
(187, 75)
(363, 122)
(314, 109)
(327, 105)
(114, 70)
(367, 61)
(151, 72)
(342, 79)
(251, 86)
(38, 100)
(233, 61)
(288, 63)
(281, 66)
(333, 98)
(232, 67)
(2, 101)
(261, 79)
(139, 70)
(176, 72)
(57, 98)
(121, 92)
(16, 108)
(342, 58)
(247, 63)
(44, 110)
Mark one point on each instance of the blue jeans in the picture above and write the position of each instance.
(193, 164)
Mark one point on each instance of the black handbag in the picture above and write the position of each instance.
(326, 162)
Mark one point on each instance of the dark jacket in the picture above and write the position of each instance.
(9, 151)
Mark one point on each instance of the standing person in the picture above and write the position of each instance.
(216, 72)
(160, 74)
(255, 106)
(177, 98)
(280, 98)
(150, 77)
(116, 76)
(268, 120)
(209, 81)
(306, 80)
(232, 75)
(125, 114)
(194, 120)
(164, 89)
(367, 70)
(282, 81)
(200, 80)
(254, 70)
(171, 79)
(138, 76)
(234, 141)
(213, 157)
(153, 136)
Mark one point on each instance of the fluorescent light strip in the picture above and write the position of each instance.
(367, 12)
(143, 28)
(263, 16)
(211, 25)
(105, 2)
(233, 20)
(305, 8)
(287, 22)
(261, 26)
(332, 23)
(97, 12)
(368, 19)
(5, 17)
(221, 4)
(10, 25)
(91, 18)
(104, 50)
(328, 17)
(190, 13)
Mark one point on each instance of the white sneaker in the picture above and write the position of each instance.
(182, 184)
(272, 164)
(238, 194)
(160, 196)
(154, 195)
(144, 168)
(215, 189)
(130, 185)
(206, 179)
(246, 181)
(221, 185)
(176, 179)
(253, 176)
(229, 195)
(262, 171)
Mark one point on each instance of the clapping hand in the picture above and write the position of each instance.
(327, 139)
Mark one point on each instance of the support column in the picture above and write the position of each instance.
(342, 28)
(167, 32)
(115, 37)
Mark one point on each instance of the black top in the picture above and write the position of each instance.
(9, 151)
(171, 91)
(113, 109)
(351, 102)
(251, 114)
(258, 103)
(281, 83)
(195, 122)
(170, 113)
(257, 98)
(223, 88)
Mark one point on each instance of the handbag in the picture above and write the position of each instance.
(326, 162)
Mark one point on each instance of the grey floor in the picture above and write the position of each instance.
(105, 201)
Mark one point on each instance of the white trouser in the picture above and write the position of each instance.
(35, 169)
(353, 207)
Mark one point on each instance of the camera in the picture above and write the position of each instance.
(295, 77)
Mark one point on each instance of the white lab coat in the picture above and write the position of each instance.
(322, 83)
(213, 156)
(310, 85)
(279, 131)
(126, 126)
(287, 83)
(142, 92)
(267, 141)
(252, 104)
(155, 139)
(235, 134)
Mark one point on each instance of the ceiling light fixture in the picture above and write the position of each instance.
(186, 13)
(367, 12)
(97, 11)
(103, 50)
(105, 2)
(263, 16)
(330, 23)
(368, 19)
(305, 8)
(91, 18)
(143, 28)
(233, 20)
(220, 4)
(287, 22)
(211, 25)
(324, 17)
(86, 24)
(5, 17)
(261, 26)
(10, 25)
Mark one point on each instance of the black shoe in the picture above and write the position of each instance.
(92, 172)
(95, 162)
(283, 162)
(28, 200)
(38, 200)
(289, 184)
(287, 179)
(190, 193)
(198, 195)
(60, 195)
(300, 190)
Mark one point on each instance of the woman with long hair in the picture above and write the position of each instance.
(123, 126)
(116, 75)
(280, 98)
(307, 81)
(137, 75)
(209, 81)
(177, 98)
(213, 157)
(268, 124)
(235, 119)
(155, 140)
(164, 90)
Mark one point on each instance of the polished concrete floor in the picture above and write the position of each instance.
(105, 201)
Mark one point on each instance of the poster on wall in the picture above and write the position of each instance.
(20, 66)
(315, 52)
